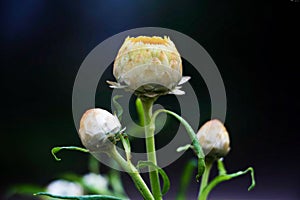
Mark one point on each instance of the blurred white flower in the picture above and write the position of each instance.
(96, 127)
(214, 139)
(66, 188)
(95, 182)
(149, 66)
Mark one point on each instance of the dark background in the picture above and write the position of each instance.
(254, 44)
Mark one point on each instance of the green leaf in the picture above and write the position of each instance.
(118, 107)
(196, 145)
(126, 144)
(23, 189)
(186, 178)
(85, 197)
(163, 174)
(57, 149)
(225, 177)
(183, 148)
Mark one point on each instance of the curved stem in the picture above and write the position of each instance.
(133, 172)
(150, 146)
(223, 176)
(204, 181)
(196, 145)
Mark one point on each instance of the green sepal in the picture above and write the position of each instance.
(126, 145)
(164, 176)
(57, 149)
(84, 197)
(118, 107)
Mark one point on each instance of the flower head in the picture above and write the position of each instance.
(149, 66)
(66, 188)
(97, 127)
(214, 139)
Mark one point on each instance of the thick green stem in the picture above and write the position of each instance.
(150, 146)
(133, 172)
(204, 181)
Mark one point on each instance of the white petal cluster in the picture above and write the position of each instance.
(214, 139)
(148, 65)
(96, 182)
(96, 127)
(65, 188)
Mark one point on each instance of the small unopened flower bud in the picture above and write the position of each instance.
(149, 66)
(97, 127)
(214, 139)
(65, 188)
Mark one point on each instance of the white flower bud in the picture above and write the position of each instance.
(150, 66)
(96, 182)
(97, 126)
(214, 139)
(65, 188)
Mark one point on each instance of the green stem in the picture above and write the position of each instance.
(150, 147)
(196, 145)
(225, 177)
(186, 179)
(140, 111)
(133, 172)
(204, 181)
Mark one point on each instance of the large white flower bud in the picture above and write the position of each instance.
(214, 139)
(97, 126)
(150, 66)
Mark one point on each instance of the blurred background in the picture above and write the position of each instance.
(254, 44)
